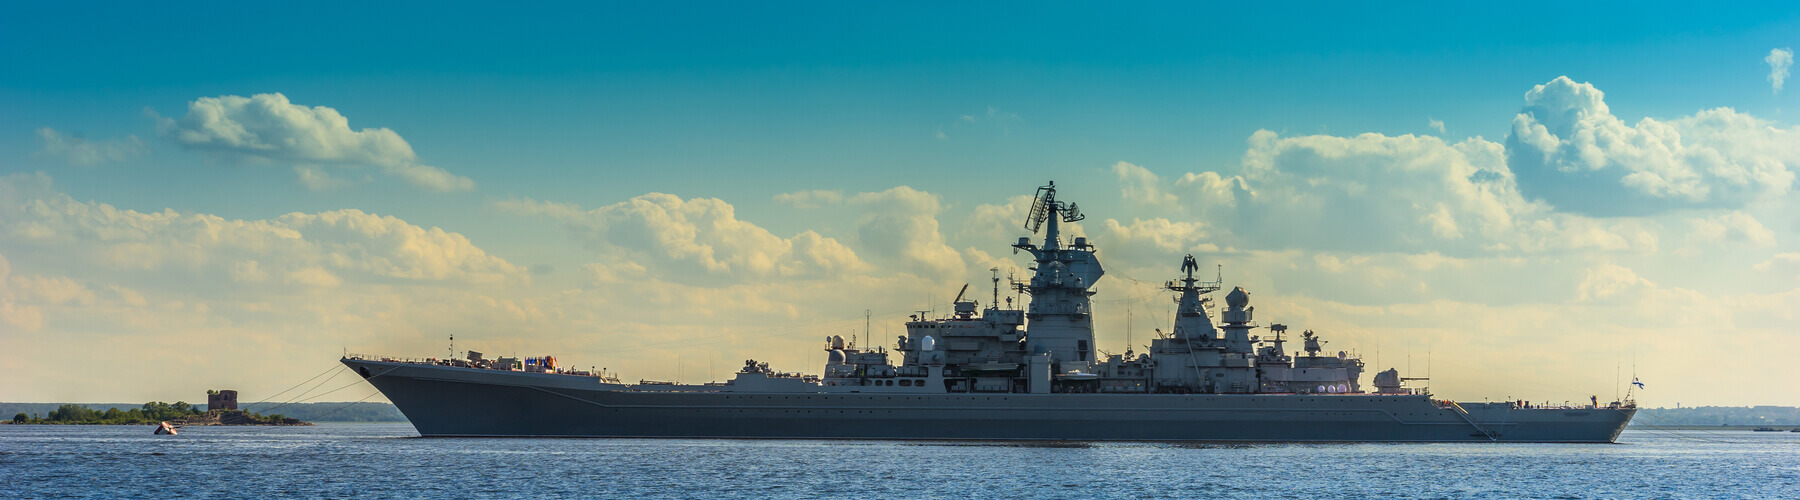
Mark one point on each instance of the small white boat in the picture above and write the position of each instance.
(165, 428)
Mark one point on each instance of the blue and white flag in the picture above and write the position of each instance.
(1634, 381)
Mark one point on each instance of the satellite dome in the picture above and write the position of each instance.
(1238, 298)
(836, 357)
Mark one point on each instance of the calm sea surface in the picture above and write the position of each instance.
(388, 460)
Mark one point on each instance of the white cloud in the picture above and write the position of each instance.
(1335, 264)
(1610, 280)
(13, 309)
(1782, 264)
(268, 127)
(1432, 261)
(1734, 227)
(317, 179)
(314, 276)
(1379, 193)
(899, 226)
(348, 243)
(1436, 124)
(1159, 233)
(693, 241)
(989, 219)
(813, 199)
(1566, 147)
(82, 152)
(1208, 192)
(1140, 186)
(1779, 61)
(203, 295)
(1416, 194)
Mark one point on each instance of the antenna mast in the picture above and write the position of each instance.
(996, 272)
(866, 316)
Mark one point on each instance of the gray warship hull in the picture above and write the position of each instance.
(445, 401)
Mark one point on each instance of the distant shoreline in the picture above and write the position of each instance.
(342, 411)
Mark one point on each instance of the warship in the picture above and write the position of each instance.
(1026, 372)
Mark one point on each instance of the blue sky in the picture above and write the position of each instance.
(553, 113)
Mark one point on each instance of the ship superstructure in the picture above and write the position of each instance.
(995, 372)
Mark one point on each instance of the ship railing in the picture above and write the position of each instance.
(410, 360)
(604, 377)
(1528, 405)
(396, 359)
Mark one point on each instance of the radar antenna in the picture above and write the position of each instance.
(1073, 213)
(1045, 206)
(1040, 207)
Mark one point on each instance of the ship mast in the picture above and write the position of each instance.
(1059, 284)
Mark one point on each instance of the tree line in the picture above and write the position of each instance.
(152, 412)
(310, 412)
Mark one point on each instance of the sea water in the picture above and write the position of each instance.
(389, 460)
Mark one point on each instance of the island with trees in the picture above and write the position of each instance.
(178, 413)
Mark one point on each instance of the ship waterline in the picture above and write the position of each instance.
(1026, 371)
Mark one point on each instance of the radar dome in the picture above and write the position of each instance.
(1238, 298)
(837, 357)
(928, 344)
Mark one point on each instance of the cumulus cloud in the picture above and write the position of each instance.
(817, 198)
(1379, 193)
(13, 310)
(116, 287)
(1782, 264)
(1610, 281)
(1141, 186)
(1779, 61)
(1155, 242)
(899, 226)
(989, 219)
(79, 151)
(1567, 148)
(1734, 227)
(317, 179)
(692, 240)
(1375, 192)
(318, 249)
(268, 127)
(1159, 233)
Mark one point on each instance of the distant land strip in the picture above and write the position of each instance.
(310, 412)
